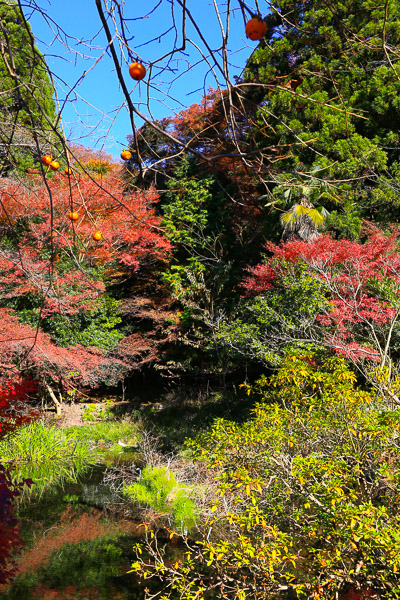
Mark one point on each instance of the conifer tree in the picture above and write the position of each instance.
(326, 84)
(27, 108)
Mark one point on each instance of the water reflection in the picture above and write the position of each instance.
(78, 544)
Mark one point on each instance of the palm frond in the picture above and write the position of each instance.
(316, 217)
(293, 216)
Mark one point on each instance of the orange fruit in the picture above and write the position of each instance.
(256, 28)
(74, 216)
(68, 171)
(137, 71)
(46, 159)
(54, 165)
(125, 155)
(97, 236)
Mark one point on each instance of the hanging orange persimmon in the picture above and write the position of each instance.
(68, 171)
(54, 165)
(46, 159)
(137, 71)
(256, 28)
(73, 215)
(125, 155)
(97, 236)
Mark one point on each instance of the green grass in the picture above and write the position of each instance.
(45, 454)
(108, 432)
(105, 437)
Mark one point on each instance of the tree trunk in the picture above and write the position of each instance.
(52, 395)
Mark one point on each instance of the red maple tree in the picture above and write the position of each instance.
(48, 256)
(361, 283)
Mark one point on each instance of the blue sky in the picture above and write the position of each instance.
(94, 112)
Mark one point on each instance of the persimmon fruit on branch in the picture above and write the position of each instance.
(126, 155)
(137, 71)
(72, 288)
(256, 28)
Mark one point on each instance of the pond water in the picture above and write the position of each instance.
(79, 544)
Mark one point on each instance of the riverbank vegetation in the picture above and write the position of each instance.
(200, 346)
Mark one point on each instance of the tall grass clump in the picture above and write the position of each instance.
(45, 454)
(159, 489)
(109, 432)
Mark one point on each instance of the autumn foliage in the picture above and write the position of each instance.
(14, 411)
(53, 264)
(360, 282)
(14, 408)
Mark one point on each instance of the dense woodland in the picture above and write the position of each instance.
(252, 242)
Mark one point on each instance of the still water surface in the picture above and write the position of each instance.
(78, 545)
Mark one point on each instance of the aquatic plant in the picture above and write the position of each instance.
(45, 454)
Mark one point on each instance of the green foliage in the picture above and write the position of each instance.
(196, 221)
(185, 211)
(330, 94)
(269, 324)
(308, 492)
(46, 454)
(93, 412)
(28, 113)
(95, 327)
(207, 260)
(158, 488)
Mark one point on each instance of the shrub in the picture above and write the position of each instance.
(308, 493)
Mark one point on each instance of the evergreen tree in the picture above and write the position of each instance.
(27, 110)
(327, 93)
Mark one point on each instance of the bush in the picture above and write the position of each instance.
(308, 492)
